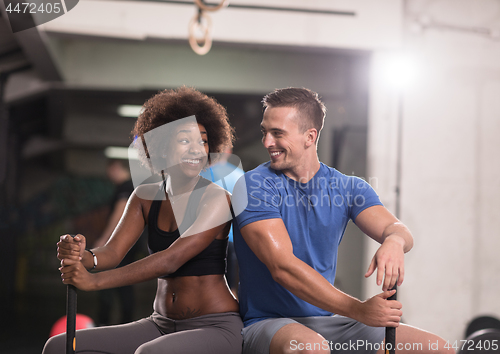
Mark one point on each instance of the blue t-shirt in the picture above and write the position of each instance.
(315, 214)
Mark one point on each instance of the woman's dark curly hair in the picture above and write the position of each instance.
(168, 106)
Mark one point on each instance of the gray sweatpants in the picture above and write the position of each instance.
(208, 334)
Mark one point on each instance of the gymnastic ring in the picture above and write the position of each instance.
(207, 41)
(204, 7)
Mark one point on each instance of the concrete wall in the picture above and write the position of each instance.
(450, 176)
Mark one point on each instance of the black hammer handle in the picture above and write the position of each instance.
(70, 318)
(390, 332)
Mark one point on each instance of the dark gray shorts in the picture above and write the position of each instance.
(342, 334)
(209, 334)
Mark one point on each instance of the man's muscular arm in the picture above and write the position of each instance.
(395, 238)
(270, 242)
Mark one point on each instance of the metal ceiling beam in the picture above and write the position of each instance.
(260, 7)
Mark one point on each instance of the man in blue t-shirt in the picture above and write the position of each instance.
(291, 215)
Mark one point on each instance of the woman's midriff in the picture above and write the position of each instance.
(187, 297)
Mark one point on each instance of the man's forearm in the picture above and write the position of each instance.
(398, 232)
(306, 283)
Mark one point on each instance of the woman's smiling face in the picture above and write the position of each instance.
(188, 150)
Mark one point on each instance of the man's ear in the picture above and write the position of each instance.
(311, 136)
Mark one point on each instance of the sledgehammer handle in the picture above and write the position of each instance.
(390, 332)
(70, 318)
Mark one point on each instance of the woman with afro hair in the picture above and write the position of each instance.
(188, 220)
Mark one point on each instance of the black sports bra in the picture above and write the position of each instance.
(212, 260)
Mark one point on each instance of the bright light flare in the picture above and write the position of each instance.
(129, 110)
(400, 71)
(116, 152)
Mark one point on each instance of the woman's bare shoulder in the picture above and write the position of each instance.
(149, 191)
(214, 193)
